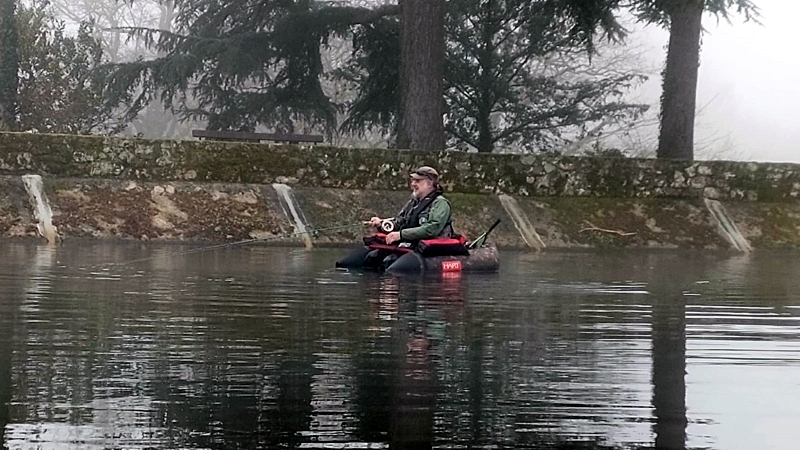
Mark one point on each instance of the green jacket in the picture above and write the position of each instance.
(433, 220)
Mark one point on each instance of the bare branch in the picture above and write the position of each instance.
(592, 227)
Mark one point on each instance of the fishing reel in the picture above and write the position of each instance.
(387, 225)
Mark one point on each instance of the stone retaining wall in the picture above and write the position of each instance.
(380, 169)
(136, 189)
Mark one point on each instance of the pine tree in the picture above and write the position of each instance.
(508, 81)
(249, 63)
(679, 96)
(240, 63)
(513, 79)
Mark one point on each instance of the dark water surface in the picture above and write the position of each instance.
(256, 347)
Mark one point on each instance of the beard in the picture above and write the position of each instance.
(421, 191)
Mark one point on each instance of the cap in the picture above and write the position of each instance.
(425, 172)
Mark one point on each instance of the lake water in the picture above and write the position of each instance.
(263, 347)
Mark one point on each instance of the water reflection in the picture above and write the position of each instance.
(8, 319)
(397, 390)
(263, 348)
(669, 358)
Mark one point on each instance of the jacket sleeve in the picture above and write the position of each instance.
(438, 216)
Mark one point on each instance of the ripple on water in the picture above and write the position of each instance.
(271, 348)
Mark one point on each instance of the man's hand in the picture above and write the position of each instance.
(394, 236)
(375, 221)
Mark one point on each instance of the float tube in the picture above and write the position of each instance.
(428, 257)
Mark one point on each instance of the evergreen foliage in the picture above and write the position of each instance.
(59, 90)
(375, 71)
(659, 11)
(496, 92)
(513, 78)
(244, 63)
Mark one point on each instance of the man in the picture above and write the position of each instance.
(426, 215)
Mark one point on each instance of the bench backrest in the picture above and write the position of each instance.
(255, 137)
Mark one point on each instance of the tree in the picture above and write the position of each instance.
(107, 19)
(518, 79)
(679, 95)
(514, 78)
(9, 64)
(250, 64)
(59, 89)
(108, 16)
(243, 64)
(422, 74)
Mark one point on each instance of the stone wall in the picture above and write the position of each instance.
(102, 187)
(380, 169)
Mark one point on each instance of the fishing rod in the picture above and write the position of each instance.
(242, 242)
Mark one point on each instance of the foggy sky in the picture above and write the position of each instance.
(749, 86)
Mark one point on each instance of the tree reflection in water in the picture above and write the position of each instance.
(269, 348)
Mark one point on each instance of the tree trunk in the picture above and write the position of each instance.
(422, 73)
(486, 81)
(9, 65)
(679, 96)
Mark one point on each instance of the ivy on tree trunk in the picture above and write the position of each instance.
(422, 73)
(9, 65)
(678, 99)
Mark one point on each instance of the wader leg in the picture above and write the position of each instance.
(387, 261)
(374, 259)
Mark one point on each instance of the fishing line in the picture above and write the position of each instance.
(242, 242)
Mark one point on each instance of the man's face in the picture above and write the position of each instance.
(420, 187)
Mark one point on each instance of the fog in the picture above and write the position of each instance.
(748, 92)
(748, 96)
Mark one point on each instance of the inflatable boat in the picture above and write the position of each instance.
(484, 259)
(429, 256)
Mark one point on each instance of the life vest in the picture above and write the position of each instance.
(411, 217)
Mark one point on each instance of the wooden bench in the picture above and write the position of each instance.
(243, 136)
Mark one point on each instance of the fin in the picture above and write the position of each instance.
(480, 241)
